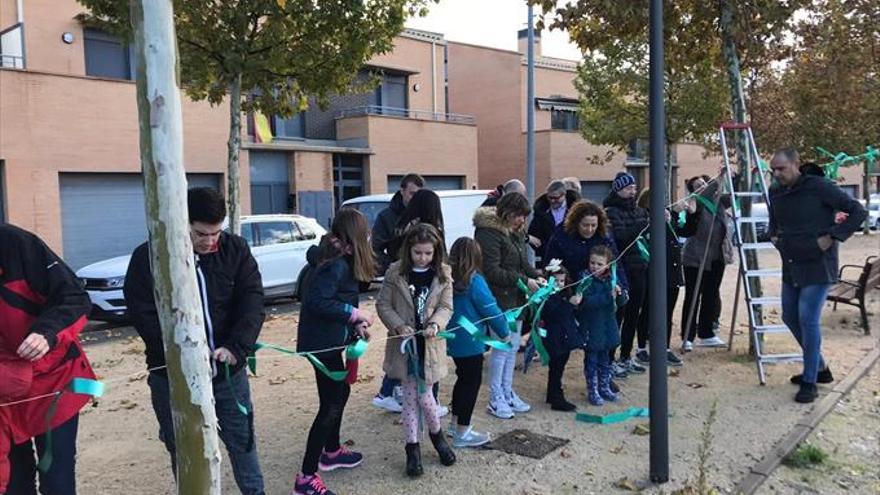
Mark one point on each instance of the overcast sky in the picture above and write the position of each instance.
(490, 23)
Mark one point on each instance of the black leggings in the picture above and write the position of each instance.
(554, 375)
(635, 312)
(469, 377)
(707, 300)
(324, 434)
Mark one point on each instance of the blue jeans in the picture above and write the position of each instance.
(60, 478)
(801, 310)
(501, 364)
(236, 429)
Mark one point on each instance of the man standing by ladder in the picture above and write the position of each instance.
(802, 209)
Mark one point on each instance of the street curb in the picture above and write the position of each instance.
(802, 429)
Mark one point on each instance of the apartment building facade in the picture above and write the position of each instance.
(69, 156)
(490, 84)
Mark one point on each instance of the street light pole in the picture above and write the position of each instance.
(658, 394)
(530, 109)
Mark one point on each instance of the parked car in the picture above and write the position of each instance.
(278, 242)
(458, 210)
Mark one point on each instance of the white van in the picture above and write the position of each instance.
(458, 210)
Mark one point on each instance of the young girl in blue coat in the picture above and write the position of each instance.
(596, 316)
(563, 334)
(472, 299)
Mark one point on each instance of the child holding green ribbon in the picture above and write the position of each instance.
(473, 302)
(563, 334)
(597, 319)
(415, 302)
(329, 319)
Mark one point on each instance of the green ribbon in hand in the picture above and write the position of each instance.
(85, 386)
(475, 332)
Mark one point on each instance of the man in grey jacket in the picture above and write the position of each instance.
(802, 227)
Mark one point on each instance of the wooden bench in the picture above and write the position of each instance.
(853, 292)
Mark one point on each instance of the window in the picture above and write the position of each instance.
(392, 92)
(247, 231)
(107, 56)
(639, 150)
(295, 126)
(306, 231)
(272, 233)
(564, 120)
(348, 177)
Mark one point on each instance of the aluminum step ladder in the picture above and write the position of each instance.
(746, 239)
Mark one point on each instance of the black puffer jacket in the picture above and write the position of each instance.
(627, 220)
(234, 290)
(329, 297)
(383, 232)
(802, 213)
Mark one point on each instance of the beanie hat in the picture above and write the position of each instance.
(622, 180)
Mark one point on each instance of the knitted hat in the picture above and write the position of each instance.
(622, 180)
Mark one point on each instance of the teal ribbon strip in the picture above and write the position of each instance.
(337, 376)
(538, 299)
(475, 332)
(83, 386)
(642, 245)
(709, 205)
(227, 375)
(584, 285)
(633, 412)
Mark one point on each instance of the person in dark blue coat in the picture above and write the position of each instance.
(329, 319)
(563, 334)
(803, 229)
(597, 318)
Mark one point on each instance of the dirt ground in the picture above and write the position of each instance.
(850, 435)
(119, 451)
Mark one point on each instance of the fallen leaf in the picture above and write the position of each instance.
(617, 450)
(674, 372)
(348, 443)
(138, 377)
(695, 385)
(278, 380)
(564, 453)
(627, 484)
(642, 429)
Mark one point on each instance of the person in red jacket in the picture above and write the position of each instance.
(43, 309)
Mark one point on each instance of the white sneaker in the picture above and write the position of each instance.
(516, 404)
(712, 342)
(387, 403)
(442, 411)
(499, 408)
(687, 346)
(470, 438)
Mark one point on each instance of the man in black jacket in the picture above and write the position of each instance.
(550, 209)
(231, 291)
(802, 212)
(386, 221)
(628, 222)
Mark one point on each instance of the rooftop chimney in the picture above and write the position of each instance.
(522, 37)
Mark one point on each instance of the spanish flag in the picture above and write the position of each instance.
(262, 129)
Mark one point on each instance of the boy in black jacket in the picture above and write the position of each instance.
(231, 292)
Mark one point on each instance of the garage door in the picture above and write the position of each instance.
(102, 215)
(432, 182)
(595, 190)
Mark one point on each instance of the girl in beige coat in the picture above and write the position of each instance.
(414, 304)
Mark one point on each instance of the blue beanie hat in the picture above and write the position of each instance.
(621, 180)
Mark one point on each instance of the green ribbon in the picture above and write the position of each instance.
(227, 375)
(584, 285)
(642, 245)
(353, 351)
(832, 168)
(539, 298)
(475, 332)
(85, 386)
(709, 205)
(633, 412)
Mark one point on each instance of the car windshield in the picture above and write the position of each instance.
(370, 209)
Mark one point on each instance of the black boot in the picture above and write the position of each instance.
(558, 403)
(413, 460)
(447, 456)
(807, 393)
(824, 376)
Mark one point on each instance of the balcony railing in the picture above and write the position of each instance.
(452, 118)
(12, 45)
